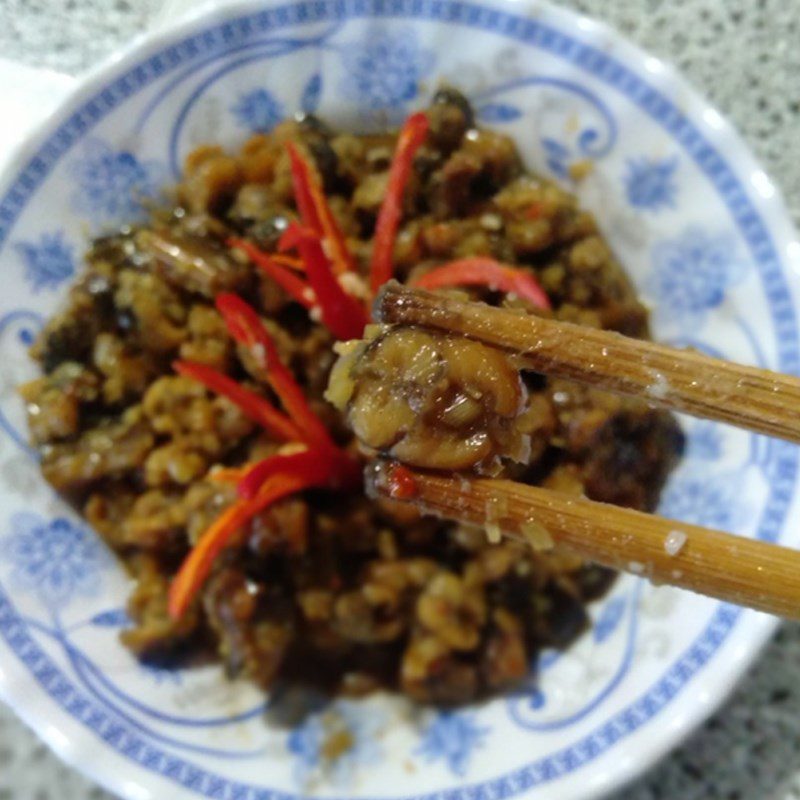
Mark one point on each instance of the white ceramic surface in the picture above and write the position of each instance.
(700, 228)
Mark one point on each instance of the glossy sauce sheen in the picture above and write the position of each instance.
(325, 587)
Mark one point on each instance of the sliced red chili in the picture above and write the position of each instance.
(295, 287)
(291, 237)
(412, 135)
(316, 211)
(196, 567)
(280, 476)
(343, 470)
(480, 271)
(342, 314)
(247, 328)
(255, 407)
(288, 261)
(229, 474)
(302, 191)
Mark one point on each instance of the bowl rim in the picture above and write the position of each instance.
(760, 627)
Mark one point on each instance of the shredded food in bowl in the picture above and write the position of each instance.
(182, 408)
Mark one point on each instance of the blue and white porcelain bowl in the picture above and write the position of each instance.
(701, 230)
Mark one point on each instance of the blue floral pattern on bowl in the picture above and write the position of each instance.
(566, 98)
(705, 442)
(558, 157)
(258, 110)
(113, 184)
(312, 94)
(609, 618)
(336, 742)
(650, 183)
(49, 262)
(56, 559)
(113, 618)
(714, 501)
(384, 69)
(575, 126)
(497, 113)
(452, 737)
(691, 274)
(163, 675)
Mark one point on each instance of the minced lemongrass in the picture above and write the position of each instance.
(538, 536)
(493, 533)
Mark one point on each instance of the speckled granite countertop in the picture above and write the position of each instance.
(743, 56)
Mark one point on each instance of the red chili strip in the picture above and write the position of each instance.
(343, 315)
(302, 191)
(229, 474)
(411, 137)
(283, 476)
(252, 405)
(315, 210)
(196, 567)
(480, 271)
(295, 287)
(343, 470)
(290, 238)
(288, 261)
(247, 328)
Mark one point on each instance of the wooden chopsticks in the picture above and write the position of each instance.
(681, 380)
(743, 571)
